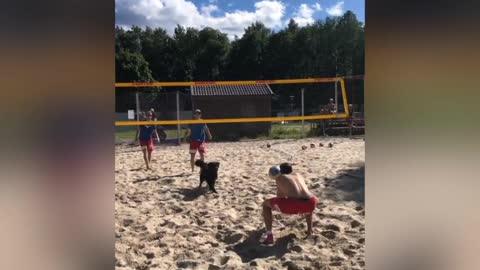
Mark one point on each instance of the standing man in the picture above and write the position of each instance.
(145, 136)
(197, 134)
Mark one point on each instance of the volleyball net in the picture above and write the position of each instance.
(235, 106)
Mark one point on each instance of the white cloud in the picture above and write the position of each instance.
(336, 10)
(207, 10)
(317, 7)
(304, 15)
(168, 13)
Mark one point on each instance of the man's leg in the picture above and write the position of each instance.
(192, 160)
(201, 150)
(267, 217)
(309, 219)
(144, 150)
(150, 156)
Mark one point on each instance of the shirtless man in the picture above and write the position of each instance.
(293, 197)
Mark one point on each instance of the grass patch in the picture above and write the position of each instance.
(130, 134)
(288, 131)
(278, 131)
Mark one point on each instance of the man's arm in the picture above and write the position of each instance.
(156, 134)
(137, 134)
(208, 133)
(187, 133)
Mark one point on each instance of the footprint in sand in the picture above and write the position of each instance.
(329, 234)
(168, 181)
(338, 263)
(230, 237)
(213, 267)
(224, 260)
(355, 224)
(332, 227)
(140, 228)
(127, 222)
(187, 264)
(349, 252)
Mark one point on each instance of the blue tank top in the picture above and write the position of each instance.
(146, 132)
(198, 132)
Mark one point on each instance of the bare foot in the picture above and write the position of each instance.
(308, 236)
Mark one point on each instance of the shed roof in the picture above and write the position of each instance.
(231, 90)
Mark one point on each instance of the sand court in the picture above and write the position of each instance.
(164, 222)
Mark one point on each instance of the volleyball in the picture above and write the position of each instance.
(274, 171)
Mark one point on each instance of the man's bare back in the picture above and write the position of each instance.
(292, 186)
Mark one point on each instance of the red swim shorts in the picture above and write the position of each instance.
(148, 144)
(293, 205)
(196, 145)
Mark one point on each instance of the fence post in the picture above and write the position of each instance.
(178, 117)
(137, 104)
(303, 114)
(336, 98)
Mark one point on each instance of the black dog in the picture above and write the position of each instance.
(208, 172)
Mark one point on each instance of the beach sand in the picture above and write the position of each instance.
(164, 222)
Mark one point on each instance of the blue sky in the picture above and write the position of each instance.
(357, 6)
(231, 17)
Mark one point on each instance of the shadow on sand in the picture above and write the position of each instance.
(191, 194)
(251, 249)
(349, 185)
(167, 178)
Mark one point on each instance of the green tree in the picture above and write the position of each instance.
(157, 51)
(212, 54)
(132, 67)
(130, 40)
(248, 53)
(349, 32)
(185, 50)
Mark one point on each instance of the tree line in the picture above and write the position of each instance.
(326, 48)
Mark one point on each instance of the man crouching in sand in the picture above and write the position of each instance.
(293, 197)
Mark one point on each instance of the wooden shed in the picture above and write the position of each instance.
(234, 101)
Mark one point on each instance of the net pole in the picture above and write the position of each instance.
(137, 104)
(336, 98)
(178, 117)
(303, 114)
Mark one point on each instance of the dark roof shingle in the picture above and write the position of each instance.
(231, 90)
